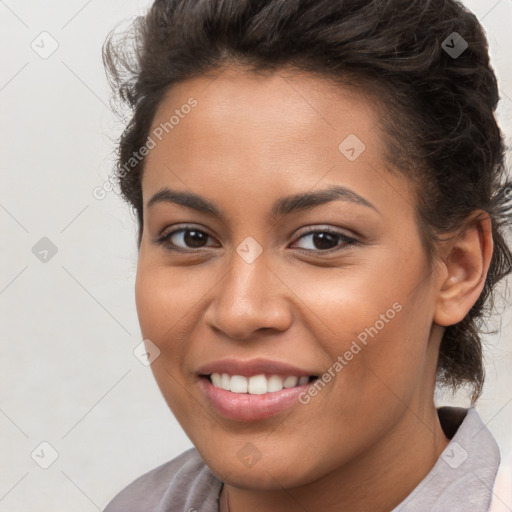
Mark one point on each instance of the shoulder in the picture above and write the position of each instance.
(184, 483)
(463, 477)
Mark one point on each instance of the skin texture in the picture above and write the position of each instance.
(250, 140)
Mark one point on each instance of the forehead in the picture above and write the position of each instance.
(270, 131)
(238, 106)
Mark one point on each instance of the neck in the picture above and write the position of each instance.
(391, 469)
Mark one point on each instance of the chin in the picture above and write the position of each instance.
(268, 473)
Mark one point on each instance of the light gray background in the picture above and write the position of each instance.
(69, 325)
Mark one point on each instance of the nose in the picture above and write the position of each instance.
(251, 297)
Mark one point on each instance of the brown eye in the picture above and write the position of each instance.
(184, 239)
(326, 240)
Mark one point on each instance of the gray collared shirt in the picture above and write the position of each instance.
(462, 479)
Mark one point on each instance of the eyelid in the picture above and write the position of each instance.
(184, 227)
(164, 236)
(324, 228)
(346, 240)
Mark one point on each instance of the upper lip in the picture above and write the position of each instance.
(252, 367)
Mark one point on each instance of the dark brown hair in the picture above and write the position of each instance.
(437, 105)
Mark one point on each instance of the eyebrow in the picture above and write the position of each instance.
(282, 206)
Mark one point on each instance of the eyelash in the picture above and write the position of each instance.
(348, 241)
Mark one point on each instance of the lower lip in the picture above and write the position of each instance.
(247, 407)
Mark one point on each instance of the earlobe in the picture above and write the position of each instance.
(466, 265)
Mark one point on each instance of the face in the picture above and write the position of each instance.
(248, 280)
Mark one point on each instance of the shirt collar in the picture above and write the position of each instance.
(463, 477)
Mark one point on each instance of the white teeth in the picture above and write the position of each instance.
(238, 384)
(225, 382)
(275, 383)
(291, 381)
(257, 384)
(217, 380)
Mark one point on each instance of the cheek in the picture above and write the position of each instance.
(164, 302)
(384, 359)
(393, 356)
(164, 297)
(368, 321)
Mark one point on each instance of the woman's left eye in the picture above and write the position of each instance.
(327, 240)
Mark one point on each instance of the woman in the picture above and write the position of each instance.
(321, 199)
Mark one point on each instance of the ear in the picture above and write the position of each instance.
(465, 266)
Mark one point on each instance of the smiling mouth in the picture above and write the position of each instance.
(257, 384)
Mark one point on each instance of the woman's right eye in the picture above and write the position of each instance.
(183, 239)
